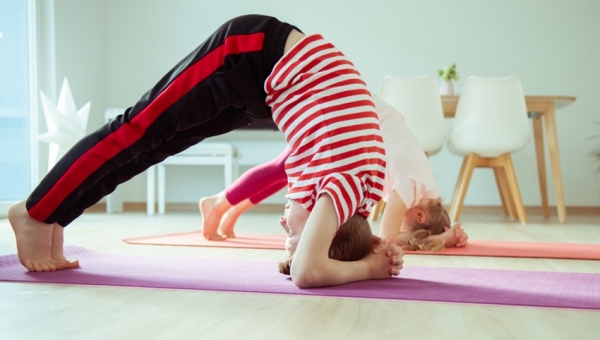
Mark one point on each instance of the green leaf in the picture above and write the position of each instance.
(449, 73)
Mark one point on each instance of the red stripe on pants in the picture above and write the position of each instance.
(132, 131)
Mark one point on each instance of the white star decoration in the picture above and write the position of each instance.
(66, 125)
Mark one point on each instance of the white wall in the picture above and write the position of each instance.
(81, 54)
(113, 51)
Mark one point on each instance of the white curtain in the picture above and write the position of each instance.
(17, 101)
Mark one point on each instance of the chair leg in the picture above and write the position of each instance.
(382, 208)
(377, 210)
(507, 202)
(462, 184)
(374, 212)
(514, 187)
(538, 133)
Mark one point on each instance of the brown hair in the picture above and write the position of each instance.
(437, 219)
(352, 242)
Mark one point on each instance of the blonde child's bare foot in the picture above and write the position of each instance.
(58, 256)
(227, 224)
(227, 234)
(231, 216)
(212, 210)
(34, 240)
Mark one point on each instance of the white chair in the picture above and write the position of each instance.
(490, 123)
(200, 154)
(419, 102)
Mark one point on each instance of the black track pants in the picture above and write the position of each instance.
(217, 88)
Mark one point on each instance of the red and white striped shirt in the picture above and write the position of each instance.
(322, 105)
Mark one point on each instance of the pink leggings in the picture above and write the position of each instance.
(260, 182)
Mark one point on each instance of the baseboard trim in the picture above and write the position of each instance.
(276, 208)
(179, 207)
(531, 210)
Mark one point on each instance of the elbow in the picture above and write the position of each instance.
(305, 277)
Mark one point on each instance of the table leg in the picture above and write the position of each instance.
(538, 133)
(114, 201)
(228, 172)
(161, 188)
(550, 124)
(150, 183)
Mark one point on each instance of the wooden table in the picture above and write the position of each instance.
(539, 108)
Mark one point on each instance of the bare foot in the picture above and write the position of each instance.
(34, 240)
(231, 216)
(57, 249)
(212, 210)
(227, 224)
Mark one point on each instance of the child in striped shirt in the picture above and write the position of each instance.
(337, 161)
(414, 217)
(224, 84)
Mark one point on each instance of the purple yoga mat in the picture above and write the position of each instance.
(465, 285)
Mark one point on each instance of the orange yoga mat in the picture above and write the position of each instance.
(474, 248)
(195, 239)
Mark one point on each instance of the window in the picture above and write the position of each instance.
(16, 74)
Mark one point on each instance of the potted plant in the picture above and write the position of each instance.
(448, 75)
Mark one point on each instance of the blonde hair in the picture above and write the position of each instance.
(352, 242)
(437, 219)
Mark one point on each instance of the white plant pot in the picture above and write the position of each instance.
(446, 87)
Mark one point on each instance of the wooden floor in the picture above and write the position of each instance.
(45, 311)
